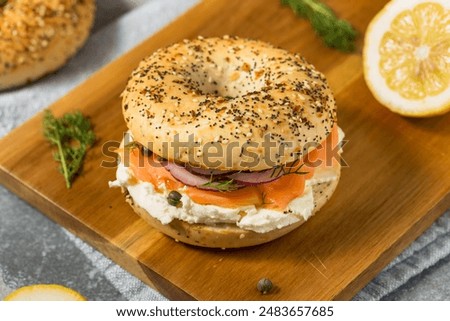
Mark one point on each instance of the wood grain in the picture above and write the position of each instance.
(396, 185)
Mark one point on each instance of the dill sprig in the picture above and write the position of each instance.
(72, 135)
(223, 186)
(336, 33)
(282, 170)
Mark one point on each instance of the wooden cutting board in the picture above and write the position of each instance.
(397, 184)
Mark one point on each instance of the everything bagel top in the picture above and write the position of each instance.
(229, 104)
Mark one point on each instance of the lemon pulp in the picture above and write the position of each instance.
(414, 52)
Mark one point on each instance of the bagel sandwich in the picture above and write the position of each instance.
(231, 142)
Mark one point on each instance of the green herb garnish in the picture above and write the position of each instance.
(336, 33)
(72, 135)
(223, 186)
(282, 170)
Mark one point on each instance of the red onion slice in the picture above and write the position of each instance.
(255, 178)
(207, 172)
(183, 175)
(202, 178)
(190, 179)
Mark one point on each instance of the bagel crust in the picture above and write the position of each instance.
(39, 36)
(224, 99)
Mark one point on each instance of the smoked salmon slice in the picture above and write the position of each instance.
(274, 195)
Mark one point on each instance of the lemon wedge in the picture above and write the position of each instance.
(407, 57)
(44, 292)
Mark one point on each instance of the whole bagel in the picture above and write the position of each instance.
(209, 93)
(39, 36)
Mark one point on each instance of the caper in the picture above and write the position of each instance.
(264, 286)
(174, 198)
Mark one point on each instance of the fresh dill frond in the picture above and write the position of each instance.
(72, 135)
(336, 33)
(283, 170)
(223, 186)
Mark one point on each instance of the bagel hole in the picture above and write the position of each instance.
(213, 87)
(229, 83)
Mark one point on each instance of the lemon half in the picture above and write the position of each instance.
(44, 292)
(407, 57)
